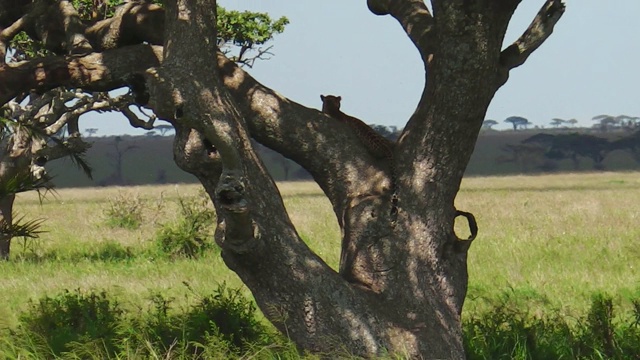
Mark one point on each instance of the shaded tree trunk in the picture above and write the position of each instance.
(15, 159)
(6, 219)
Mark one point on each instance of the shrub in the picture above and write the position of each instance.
(597, 331)
(226, 314)
(90, 325)
(508, 331)
(628, 335)
(221, 325)
(71, 317)
(192, 232)
(224, 325)
(124, 211)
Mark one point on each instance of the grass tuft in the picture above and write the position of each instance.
(192, 233)
(124, 211)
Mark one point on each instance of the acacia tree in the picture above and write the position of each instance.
(488, 124)
(403, 271)
(517, 122)
(35, 29)
(556, 122)
(28, 141)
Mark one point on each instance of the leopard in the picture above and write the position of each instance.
(382, 148)
(377, 145)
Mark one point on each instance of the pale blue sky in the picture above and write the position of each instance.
(588, 67)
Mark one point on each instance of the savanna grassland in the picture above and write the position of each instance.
(549, 243)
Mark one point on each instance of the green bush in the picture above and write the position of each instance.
(628, 335)
(91, 325)
(226, 314)
(508, 331)
(57, 323)
(124, 211)
(192, 232)
(225, 325)
(224, 322)
(156, 327)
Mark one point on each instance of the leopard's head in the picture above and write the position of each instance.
(330, 104)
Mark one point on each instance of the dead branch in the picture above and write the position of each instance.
(244, 60)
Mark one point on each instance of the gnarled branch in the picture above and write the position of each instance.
(317, 142)
(95, 72)
(415, 18)
(538, 31)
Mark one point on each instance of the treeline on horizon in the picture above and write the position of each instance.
(148, 159)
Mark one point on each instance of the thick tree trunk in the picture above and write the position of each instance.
(403, 273)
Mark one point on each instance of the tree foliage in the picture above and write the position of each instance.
(247, 28)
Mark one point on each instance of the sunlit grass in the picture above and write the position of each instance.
(563, 237)
(553, 239)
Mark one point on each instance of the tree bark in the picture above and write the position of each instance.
(6, 219)
(14, 159)
(403, 272)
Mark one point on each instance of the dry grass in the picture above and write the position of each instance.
(558, 238)
(554, 240)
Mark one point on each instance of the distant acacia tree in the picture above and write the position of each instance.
(164, 129)
(528, 157)
(572, 122)
(91, 131)
(572, 146)
(532, 151)
(609, 123)
(518, 122)
(488, 124)
(629, 122)
(605, 122)
(556, 122)
(117, 159)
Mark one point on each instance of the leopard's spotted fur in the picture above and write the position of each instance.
(377, 145)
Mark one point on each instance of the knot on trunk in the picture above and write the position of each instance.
(194, 154)
(237, 231)
(230, 194)
(462, 245)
